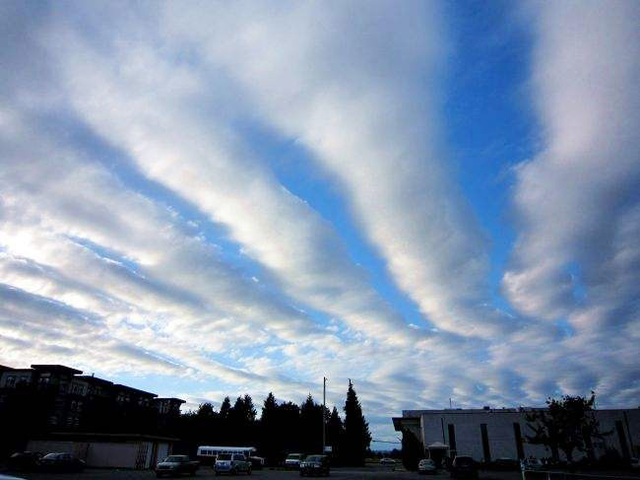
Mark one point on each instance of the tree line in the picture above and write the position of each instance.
(282, 428)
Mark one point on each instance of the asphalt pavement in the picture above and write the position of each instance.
(376, 472)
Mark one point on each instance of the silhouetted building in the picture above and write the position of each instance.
(487, 434)
(167, 406)
(66, 400)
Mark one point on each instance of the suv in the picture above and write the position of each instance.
(315, 465)
(175, 465)
(232, 463)
(464, 467)
(293, 460)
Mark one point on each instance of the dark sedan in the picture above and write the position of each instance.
(24, 461)
(61, 462)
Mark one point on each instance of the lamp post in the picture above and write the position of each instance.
(324, 413)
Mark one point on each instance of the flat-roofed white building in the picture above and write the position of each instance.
(487, 434)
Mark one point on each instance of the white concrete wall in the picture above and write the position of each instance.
(105, 454)
(114, 454)
(502, 440)
(163, 451)
(58, 446)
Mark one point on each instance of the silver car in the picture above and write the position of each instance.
(232, 463)
(427, 466)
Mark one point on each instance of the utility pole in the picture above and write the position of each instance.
(324, 413)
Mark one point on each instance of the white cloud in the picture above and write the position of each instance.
(577, 201)
(362, 96)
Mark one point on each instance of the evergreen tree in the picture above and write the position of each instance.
(225, 428)
(225, 408)
(335, 433)
(311, 426)
(205, 410)
(357, 436)
(242, 421)
(289, 433)
(249, 413)
(269, 409)
(270, 443)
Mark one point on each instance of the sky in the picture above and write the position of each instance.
(437, 200)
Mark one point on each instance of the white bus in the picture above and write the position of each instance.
(207, 455)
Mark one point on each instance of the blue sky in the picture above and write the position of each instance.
(436, 200)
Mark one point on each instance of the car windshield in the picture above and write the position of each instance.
(314, 458)
(175, 458)
(224, 456)
(293, 456)
(52, 455)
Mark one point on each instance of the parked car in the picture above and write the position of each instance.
(257, 463)
(315, 465)
(427, 466)
(232, 463)
(506, 464)
(635, 463)
(464, 467)
(61, 462)
(531, 463)
(293, 460)
(176, 465)
(387, 461)
(7, 477)
(24, 461)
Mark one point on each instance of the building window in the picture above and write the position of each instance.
(622, 438)
(485, 442)
(452, 439)
(11, 381)
(517, 432)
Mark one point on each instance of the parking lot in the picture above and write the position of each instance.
(377, 472)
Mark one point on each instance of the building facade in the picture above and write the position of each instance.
(48, 400)
(108, 450)
(488, 434)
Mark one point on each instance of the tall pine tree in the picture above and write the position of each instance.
(311, 426)
(357, 436)
(225, 408)
(335, 433)
(270, 441)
